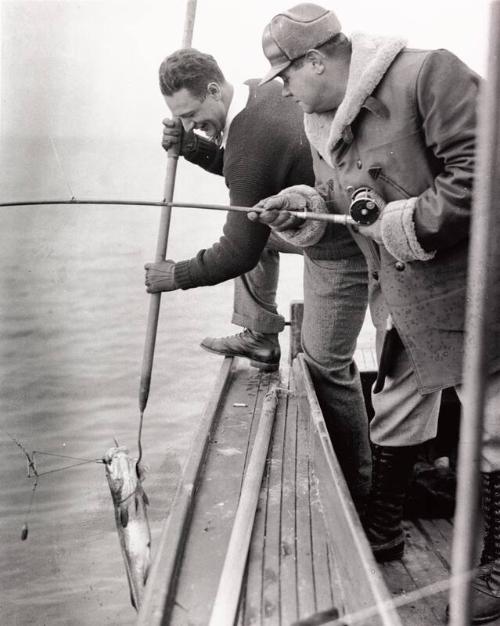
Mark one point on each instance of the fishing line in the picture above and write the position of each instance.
(65, 467)
(65, 456)
(33, 472)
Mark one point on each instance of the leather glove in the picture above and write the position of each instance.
(160, 276)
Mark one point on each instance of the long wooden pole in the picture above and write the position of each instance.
(228, 593)
(484, 233)
(161, 246)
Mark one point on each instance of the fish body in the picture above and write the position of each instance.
(130, 505)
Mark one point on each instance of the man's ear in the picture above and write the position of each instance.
(214, 90)
(316, 59)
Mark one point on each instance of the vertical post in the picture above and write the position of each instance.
(163, 231)
(296, 317)
(482, 269)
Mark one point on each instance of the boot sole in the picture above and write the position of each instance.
(265, 367)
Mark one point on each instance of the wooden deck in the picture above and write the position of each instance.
(306, 532)
(308, 561)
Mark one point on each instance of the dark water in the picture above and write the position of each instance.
(73, 314)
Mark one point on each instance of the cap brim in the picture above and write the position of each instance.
(275, 71)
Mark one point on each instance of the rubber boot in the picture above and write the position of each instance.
(392, 468)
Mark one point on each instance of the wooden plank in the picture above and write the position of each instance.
(160, 588)
(225, 605)
(424, 568)
(324, 580)
(253, 606)
(217, 500)
(305, 573)
(426, 562)
(271, 599)
(366, 594)
(439, 535)
(251, 603)
(288, 553)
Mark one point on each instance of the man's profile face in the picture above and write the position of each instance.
(299, 83)
(315, 88)
(207, 115)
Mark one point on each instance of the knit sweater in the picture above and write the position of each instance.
(266, 151)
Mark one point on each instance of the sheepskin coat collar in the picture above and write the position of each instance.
(371, 58)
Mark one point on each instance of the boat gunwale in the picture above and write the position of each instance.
(160, 588)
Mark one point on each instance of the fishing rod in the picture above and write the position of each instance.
(345, 220)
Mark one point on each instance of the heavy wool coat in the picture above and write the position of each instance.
(406, 128)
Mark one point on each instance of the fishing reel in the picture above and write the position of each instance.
(366, 206)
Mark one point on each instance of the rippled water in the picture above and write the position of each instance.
(73, 313)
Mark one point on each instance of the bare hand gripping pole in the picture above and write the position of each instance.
(161, 247)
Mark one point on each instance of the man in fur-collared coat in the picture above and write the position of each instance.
(402, 123)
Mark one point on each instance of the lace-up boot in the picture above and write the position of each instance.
(391, 474)
(263, 349)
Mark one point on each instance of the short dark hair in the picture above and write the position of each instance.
(190, 69)
(329, 48)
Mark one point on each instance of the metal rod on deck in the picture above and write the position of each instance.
(161, 246)
(481, 273)
(320, 217)
(225, 606)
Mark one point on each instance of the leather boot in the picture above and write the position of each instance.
(490, 483)
(391, 474)
(263, 349)
(486, 585)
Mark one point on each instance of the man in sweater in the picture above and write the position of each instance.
(402, 122)
(265, 150)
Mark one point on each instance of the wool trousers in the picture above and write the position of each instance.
(405, 417)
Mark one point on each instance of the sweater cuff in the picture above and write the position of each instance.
(311, 231)
(182, 275)
(398, 231)
(199, 150)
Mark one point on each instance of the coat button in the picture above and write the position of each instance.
(349, 189)
(375, 275)
(359, 164)
(399, 266)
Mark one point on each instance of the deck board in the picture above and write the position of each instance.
(217, 496)
(287, 551)
(325, 579)
(426, 561)
(253, 606)
(305, 565)
(290, 567)
(271, 596)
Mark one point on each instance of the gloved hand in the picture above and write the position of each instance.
(276, 213)
(160, 276)
(175, 135)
